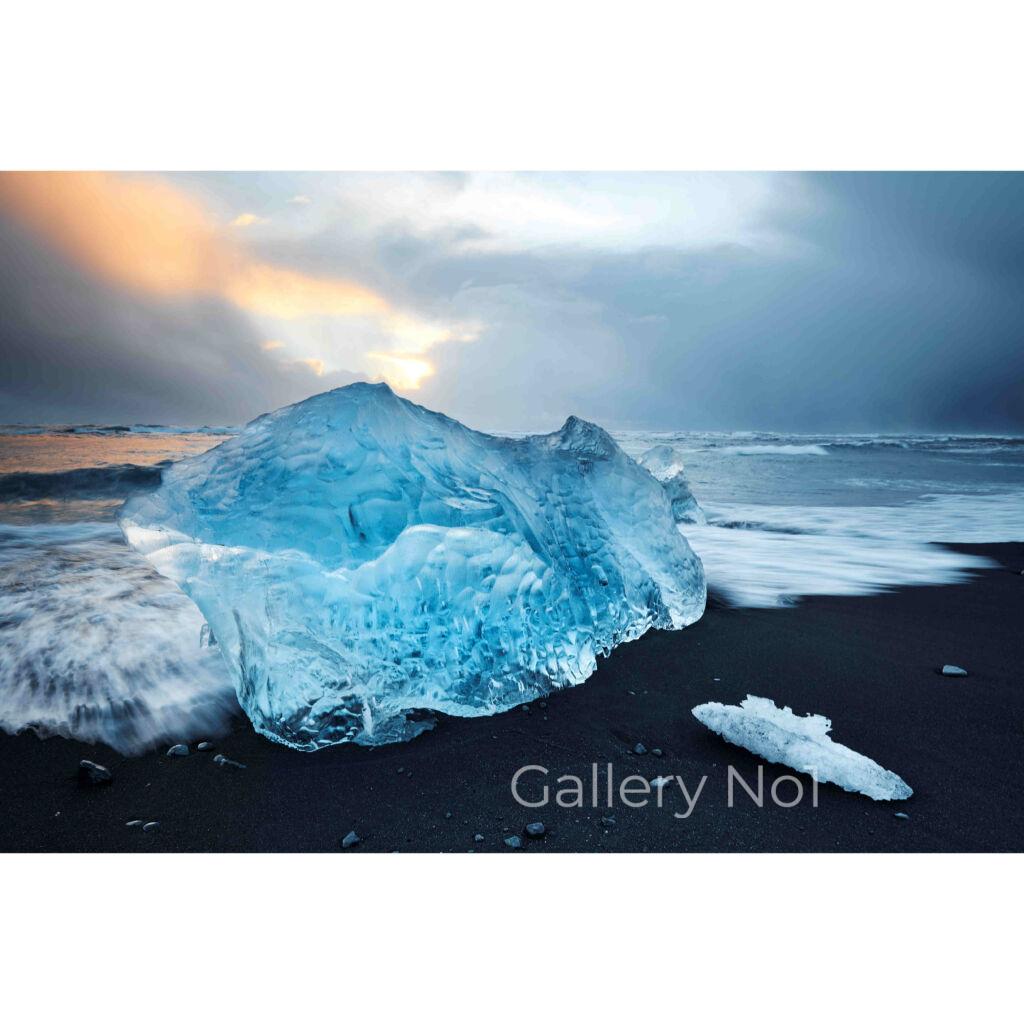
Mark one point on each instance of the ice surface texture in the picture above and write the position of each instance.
(664, 464)
(779, 736)
(360, 559)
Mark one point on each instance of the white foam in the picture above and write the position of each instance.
(781, 553)
(95, 645)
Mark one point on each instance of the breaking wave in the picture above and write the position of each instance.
(95, 645)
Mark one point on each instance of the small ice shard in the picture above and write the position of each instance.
(665, 465)
(535, 829)
(779, 736)
(953, 670)
(178, 750)
(352, 839)
(225, 762)
(363, 562)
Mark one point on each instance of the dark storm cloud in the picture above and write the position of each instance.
(77, 350)
(846, 302)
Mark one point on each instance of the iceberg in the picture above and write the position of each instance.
(779, 736)
(665, 465)
(362, 562)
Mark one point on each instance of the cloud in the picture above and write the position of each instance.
(142, 233)
(300, 200)
(245, 220)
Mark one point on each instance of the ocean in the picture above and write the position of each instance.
(94, 644)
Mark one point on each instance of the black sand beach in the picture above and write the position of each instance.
(869, 663)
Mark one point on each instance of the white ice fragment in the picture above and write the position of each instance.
(953, 670)
(362, 560)
(779, 736)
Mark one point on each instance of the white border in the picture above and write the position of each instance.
(795, 85)
(536, 84)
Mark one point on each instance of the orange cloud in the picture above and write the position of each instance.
(143, 233)
(140, 232)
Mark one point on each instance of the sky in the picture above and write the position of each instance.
(663, 301)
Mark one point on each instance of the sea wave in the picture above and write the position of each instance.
(773, 449)
(767, 556)
(107, 430)
(95, 645)
(86, 482)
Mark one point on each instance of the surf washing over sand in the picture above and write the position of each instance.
(96, 645)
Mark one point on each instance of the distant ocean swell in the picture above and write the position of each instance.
(87, 482)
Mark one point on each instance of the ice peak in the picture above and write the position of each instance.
(584, 437)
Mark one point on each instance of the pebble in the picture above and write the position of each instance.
(656, 751)
(542, 704)
(401, 771)
(151, 826)
(478, 838)
(90, 771)
(608, 822)
(447, 814)
(352, 839)
(178, 750)
(953, 670)
(513, 842)
(205, 745)
(639, 749)
(134, 823)
(535, 829)
(225, 762)
(901, 814)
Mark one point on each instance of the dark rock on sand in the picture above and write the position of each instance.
(94, 774)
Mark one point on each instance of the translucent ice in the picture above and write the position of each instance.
(779, 736)
(361, 560)
(664, 464)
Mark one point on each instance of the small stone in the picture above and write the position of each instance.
(513, 842)
(205, 745)
(134, 823)
(525, 707)
(901, 814)
(478, 838)
(352, 839)
(447, 814)
(656, 751)
(401, 771)
(178, 750)
(542, 704)
(639, 749)
(535, 829)
(93, 773)
(608, 822)
(953, 670)
(225, 762)
(151, 826)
